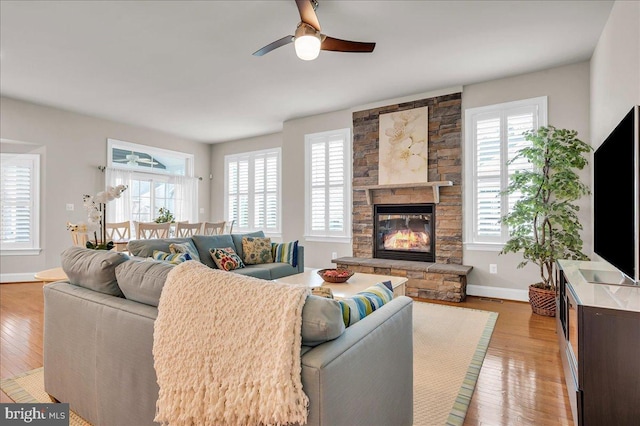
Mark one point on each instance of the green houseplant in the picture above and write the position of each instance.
(543, 223)
(164, 216)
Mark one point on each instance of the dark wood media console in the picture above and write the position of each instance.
(598, 329)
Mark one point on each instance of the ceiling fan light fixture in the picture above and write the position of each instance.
(307, 42)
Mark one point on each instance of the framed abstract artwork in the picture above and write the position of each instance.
(403, 147)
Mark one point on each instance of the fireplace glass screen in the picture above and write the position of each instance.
(405, 232)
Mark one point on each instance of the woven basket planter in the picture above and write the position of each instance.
(543, 301)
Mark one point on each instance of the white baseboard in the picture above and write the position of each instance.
(498, 292)
(17, 278)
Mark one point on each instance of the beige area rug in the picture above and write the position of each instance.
(29, 387)
(449, 345)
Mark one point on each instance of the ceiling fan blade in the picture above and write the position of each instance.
(337, 45)
(147, 161)
(272, 46)
(308, 13)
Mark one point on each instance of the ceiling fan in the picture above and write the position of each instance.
(134, 160)
(308, 40)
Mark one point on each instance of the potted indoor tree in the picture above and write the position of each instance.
(543, 223)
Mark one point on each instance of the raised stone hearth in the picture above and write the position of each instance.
(424, 279)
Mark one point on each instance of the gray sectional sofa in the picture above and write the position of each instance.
(202, 243)
(98, 340)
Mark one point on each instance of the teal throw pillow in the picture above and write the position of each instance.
(358, 306)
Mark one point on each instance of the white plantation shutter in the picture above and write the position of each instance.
(19, 190)
(494, 136)
(328, 160)
(253, 190)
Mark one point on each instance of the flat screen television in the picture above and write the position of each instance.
(616, 202)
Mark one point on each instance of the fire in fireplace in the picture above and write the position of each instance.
(404, 232)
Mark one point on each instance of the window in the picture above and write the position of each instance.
(155, 178)
(494, 135)
(252, 190)
(20, 191)
(328, 185)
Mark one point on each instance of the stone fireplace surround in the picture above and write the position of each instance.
(446, 278)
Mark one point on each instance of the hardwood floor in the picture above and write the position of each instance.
(521, 381)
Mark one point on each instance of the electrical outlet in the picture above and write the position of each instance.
(70, 207)
(334, 255)
(493, 268)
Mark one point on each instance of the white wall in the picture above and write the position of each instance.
(567, 89)
(72, 147)
(615, 70)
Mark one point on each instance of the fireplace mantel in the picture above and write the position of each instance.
(435, 185)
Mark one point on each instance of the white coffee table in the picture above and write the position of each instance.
(358, 282)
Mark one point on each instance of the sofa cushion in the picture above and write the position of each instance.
(186, 247)
(142, 280)
(321, 320)
(256, 271)
(256, 250)
(237, 240)
(226, 258)
(93, 269)
(285, 252)
(206, 242)
(173, 258)
(145, 248)
(361, 304)
(277, 270)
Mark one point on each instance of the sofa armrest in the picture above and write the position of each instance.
(366, 375)
(300, 258)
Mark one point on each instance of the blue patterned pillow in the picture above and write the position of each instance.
(358, 306)
(285, 252)
(173, 258)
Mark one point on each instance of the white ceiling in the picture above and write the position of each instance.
(187, 68)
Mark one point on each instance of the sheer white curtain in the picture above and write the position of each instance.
(186, 197)
(119, 210)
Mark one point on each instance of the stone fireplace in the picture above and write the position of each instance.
(441, 274)
(404, 232)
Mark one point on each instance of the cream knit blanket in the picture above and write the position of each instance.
(226, 349)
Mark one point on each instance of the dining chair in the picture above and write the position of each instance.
(230, 227)
(185, 230)
(149, 230)
(78, 234)
(213, 228)
(119, 233)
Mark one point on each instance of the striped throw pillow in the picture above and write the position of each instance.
(173, 258)
(358, 306)
(285, 252)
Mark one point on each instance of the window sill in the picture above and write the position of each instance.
(20, 252)
(328, 239)
(483, 246)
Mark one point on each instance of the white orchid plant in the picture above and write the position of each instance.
(97, 211)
